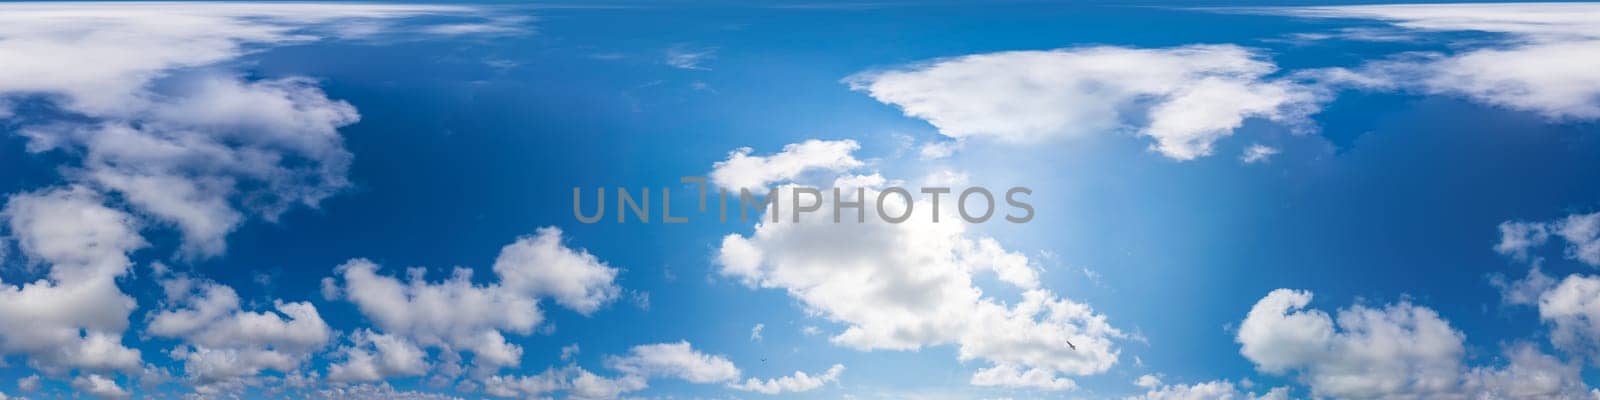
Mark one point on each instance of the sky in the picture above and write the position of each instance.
(388, 200)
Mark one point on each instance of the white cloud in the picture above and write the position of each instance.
(939, 150)
(744, 171)
(380, 391)
(454, 312)
(98, 386)
(375, 357)
(1529, 374)
(1257, 153)
(755, 332)
(156, 122)
(541, 266)
(460, 315)
(799, 382)
(75, 315)
(1572, 308)
(224, 346)
(677, 360)
(909, 285)
(1007, 375)
(1397, 352)
(1213, 390)
(1147, 381)
(1517, 237)
(1581, 232)
(1548, 60)
(1185, 98)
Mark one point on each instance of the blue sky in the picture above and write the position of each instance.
(368, 200)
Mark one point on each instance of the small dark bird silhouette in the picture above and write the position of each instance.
(1069, 344)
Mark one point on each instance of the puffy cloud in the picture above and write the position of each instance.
(179, 141)
(1185, 98)
(677, 360)
(375, 357)
(799, 382)
(744, 171)
(381, 391)
(1007, 375)
(541, 266)
(1572, 308)
(1213, 390)
(459, 315)
(1529, 374)
(454, 312)
(99, 386)
(75, 315)
(225, 347)
(909, 285)
(1548, 63)
(1399, 350)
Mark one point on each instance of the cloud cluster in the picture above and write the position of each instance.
(74, 316)
(225, 347)
(1212, 390)
(910, 285)
(1570, 306)
(159, 133)
(1398, 351)
(799, 382)
(458, 315)
(146, 107)
(1185, 98)
(675, 360)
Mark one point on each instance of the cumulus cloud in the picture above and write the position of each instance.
(459, 315)
(542, 266)
(910, 285)
(1398, 351)
(799, 382)
(1213, 390)
(744, 171)
(375, 357)
(99, 386)
(381, 391)
(74, 316)
(679, 360)
(1185, 98)
(1547, 62)
(225, 347)
(1572, 309)
(1529, 374)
